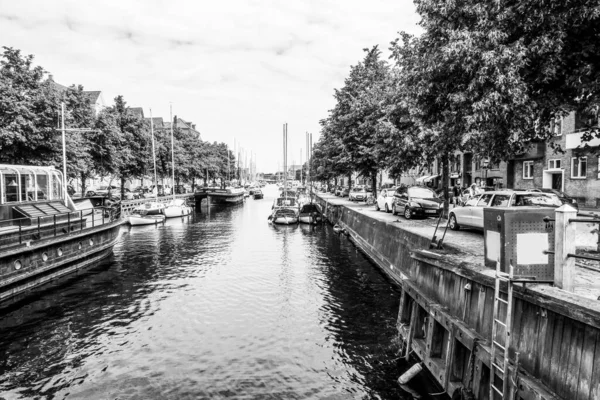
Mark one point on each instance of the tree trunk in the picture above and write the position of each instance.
(446, 181)
(123, 188)
(374, 183)
(83, 186)
(349, 182)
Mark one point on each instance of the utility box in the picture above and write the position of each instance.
(520, 236)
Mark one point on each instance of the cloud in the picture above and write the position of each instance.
(236, 69)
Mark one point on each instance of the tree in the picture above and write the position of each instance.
(355, 123)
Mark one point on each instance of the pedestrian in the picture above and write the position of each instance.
(473, 191)
(456, 195)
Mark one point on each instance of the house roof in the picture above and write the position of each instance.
(92, 95)
(137, 111)
(186, 125)
(157, 122)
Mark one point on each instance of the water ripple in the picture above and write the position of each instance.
(217, 306)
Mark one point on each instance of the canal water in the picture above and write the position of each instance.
(221, 305)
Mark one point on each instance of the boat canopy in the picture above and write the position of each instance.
(310, 208)
(24, 183)
(286, 202)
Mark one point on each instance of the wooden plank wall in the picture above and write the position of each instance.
(561, 352)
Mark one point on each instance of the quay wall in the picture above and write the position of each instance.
(446, 311)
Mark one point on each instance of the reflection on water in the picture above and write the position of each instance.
(219, 305)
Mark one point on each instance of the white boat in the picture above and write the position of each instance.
(285, 211)
(285, 216)
(152, 208)
(148, 219)
(177, 208)
(147, 214)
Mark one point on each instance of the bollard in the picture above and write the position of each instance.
(411, 373)
(564, 244)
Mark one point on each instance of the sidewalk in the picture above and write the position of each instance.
(471, 242)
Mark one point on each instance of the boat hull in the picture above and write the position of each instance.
(45, 260)
(285, 220)
(173, 212)
(309, 219)
(136, 219)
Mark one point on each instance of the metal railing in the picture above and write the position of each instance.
(20, 231)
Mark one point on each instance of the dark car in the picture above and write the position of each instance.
(416, 201)
(562, 196)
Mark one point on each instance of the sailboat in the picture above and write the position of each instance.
(176, 207)
(153, 212)
(285, 208)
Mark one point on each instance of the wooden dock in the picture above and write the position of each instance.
(446, 312)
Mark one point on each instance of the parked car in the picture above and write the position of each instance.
(338, 190)
(103, 190)
(345, 192)
(562, 196)
(416, 201)
(471, 214)
(385, 200)
(358, 194)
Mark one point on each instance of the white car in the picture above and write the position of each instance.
(471, 214)
(385, 200)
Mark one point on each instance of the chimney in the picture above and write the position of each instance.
(51, 78)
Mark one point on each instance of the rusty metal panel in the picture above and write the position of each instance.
(516, 234)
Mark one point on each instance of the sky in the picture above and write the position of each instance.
(237, 69)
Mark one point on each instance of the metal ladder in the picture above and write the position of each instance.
(502, 369)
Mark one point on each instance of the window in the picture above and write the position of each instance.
(527, 169)
(484, 200)
(554, 164)
(501, 200)
(579, 167)
(557, 126)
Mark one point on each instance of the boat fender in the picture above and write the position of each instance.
(411, 373)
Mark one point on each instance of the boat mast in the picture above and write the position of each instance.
(172, 151)
(64, 149)
(153, 154)
(285, 160)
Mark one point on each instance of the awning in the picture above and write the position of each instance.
(430, 178)
(422, 179)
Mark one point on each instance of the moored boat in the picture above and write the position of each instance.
(229, 195)
(43, 235)
(148, 219)
(310, 213)
(285, 211)
(177, 208)
(285, 216)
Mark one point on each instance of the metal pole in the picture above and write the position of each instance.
(64, 149)
(153, 155)
(172, 151)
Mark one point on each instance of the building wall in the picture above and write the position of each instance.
(536, 182)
